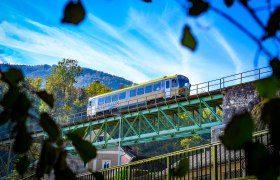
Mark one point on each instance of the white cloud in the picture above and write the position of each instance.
(227, 47)
(154, 52)
(140, 50)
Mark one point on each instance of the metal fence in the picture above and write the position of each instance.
(211, 161)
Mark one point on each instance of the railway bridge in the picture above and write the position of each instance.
(206, 106)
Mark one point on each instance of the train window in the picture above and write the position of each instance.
(148, 88)
(140, 91)
(107, 99)
(157, 86)
(122, 95)
(174, 83)
(167, 86)
(115, 97)
(100, 101)
(89, 103)
(132, 92)
(183, 82)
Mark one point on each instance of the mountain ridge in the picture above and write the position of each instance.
(87, 76)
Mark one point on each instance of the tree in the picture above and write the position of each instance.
(195, 140)
(96, 88)
(61, 85)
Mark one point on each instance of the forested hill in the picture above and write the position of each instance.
(87, 76)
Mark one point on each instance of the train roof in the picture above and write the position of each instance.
(141, 84)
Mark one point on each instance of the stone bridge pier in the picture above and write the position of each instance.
(237, 99)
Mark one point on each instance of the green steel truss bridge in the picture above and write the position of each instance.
(159, 119)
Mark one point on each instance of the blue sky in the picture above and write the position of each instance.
(129, 38)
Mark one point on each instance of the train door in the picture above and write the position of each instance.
(91, 107)
(167, 89)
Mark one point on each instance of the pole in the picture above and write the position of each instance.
(119, 147)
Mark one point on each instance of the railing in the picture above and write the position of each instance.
(210, 161)
(218, 84)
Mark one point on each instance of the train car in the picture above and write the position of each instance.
(162, 88)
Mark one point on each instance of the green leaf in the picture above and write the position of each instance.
(181, 170)
(4, 117)
(48, 157)
(259, 162)
(22, 165)
(23, 139)
(275, 65)
(271, 116)
(273, 24)
(12, 77)
(229, 2)
(49, 126)
(10, 98)
(238, 132)
(198, 7)
(84, 148)
(47, 98)
(98, 175)
(74, 12)
(21, 108)
(268, 87)
(188, 39)
(61, 169)
(80, 132)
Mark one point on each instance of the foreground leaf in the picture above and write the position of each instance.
(74, 13)
(182, 168)
(238, 132)
(268, 87)
(198, 7)
(98, 175)
(275, 65)
(23, 139)
(271, 116)
(49, 126)
(47, 159)
(260, 162)
(61, 169)
(84, 148)
(47, 98)
(12, 77)
(229, 2)
(188, 39)
(273, 24)
(22, 165)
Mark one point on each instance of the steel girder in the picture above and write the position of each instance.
(180, 119)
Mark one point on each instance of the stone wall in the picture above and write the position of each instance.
(237, 99)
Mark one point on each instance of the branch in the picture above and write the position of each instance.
(253, 14)
(245, 31)
(256, 18)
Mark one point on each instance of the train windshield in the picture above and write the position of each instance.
(183, 82)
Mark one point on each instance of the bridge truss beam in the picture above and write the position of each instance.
(179, 119)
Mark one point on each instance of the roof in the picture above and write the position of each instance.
(138, 85)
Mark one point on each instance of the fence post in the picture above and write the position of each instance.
(167, 167)
(214, 161)
(128, 172)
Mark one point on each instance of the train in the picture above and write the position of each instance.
(137, 95)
